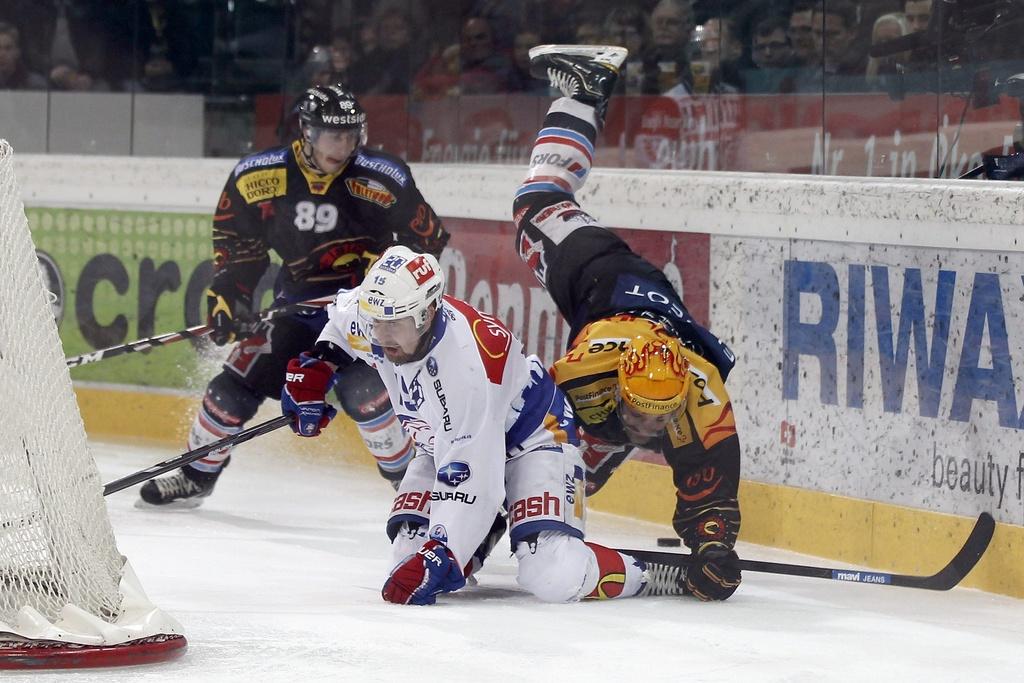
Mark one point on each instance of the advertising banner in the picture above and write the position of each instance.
(119, 276)
(889, 373)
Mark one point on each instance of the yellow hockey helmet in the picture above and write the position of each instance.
(654, 375)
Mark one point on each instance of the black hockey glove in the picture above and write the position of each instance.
(714, 574)
(229, 316)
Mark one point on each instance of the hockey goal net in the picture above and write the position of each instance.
(67, 596)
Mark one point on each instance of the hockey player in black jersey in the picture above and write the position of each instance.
(640, 371)
(327, 206)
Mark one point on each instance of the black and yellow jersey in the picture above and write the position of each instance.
(325, 227)
(700, 444)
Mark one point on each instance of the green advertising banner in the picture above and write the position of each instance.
(119, 276)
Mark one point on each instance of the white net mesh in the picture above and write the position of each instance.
(56, 544)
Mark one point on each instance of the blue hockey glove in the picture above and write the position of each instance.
(304, 395)
(420, 577)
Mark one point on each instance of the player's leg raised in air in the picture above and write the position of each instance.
(545, 209)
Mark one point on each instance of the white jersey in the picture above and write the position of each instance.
(473, 402)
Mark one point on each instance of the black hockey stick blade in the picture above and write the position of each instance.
(189, 333)
(191, 456)
(947, 577)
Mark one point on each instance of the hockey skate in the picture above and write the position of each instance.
(586, 73)
(662, 579)
(185, 489)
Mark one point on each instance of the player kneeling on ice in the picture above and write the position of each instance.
(640, 371)
(490, 427)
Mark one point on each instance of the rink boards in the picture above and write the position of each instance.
(879, 327)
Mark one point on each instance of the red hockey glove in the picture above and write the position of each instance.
(420, 577)
(304, 395)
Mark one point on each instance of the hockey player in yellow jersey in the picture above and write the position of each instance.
(632, 384)
(639, 371)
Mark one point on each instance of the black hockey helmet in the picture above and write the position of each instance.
(333, 107)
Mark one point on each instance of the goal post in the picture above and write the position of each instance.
(68, 598)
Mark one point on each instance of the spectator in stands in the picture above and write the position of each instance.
(520, 78)
(886, 27)
(388, 69)
(439, 77)
(13, 73)
(67, 76)
(507, 17)
(52, 31)
(842, 59)
(172, 40)
(366, 39)
(671, 24)
(485, 70)
(772, 57)
(715, 57)
(666, 63)
(626, 26)
(770, 47)
(801, 34)
(342, 55)
(918, 13)
(717, 40)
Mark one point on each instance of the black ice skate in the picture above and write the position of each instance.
(184, 489)
(586, 73)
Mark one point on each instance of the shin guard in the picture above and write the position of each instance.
(564, 150)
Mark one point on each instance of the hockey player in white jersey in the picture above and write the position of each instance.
(490, 427)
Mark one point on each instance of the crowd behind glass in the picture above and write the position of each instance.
(231, 51)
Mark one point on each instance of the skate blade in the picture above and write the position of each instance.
(183, 504)
(609, 55)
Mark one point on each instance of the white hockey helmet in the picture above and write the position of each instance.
(402, 283)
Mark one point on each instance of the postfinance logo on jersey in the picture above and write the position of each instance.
(260, 185)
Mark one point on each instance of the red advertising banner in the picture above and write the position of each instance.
(843, 134)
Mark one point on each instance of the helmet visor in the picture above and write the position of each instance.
(641, 426)
(399, 338)
(334, 143)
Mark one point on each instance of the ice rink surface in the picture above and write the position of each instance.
(277, 577)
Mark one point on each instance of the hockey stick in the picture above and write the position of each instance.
(190, 333)
(191, 456)
(947, 577)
